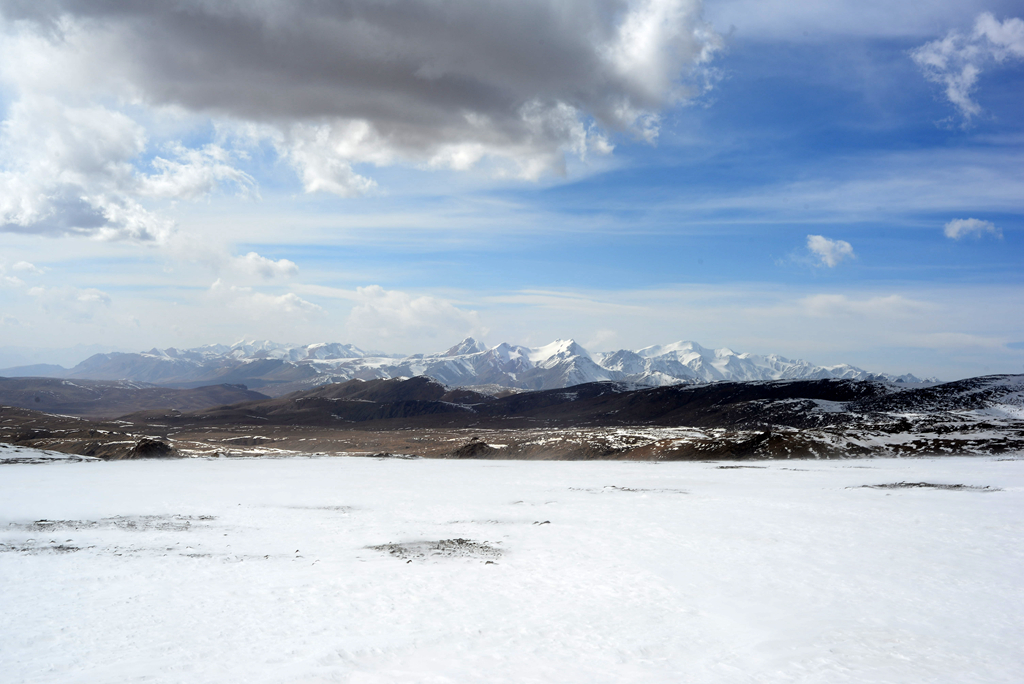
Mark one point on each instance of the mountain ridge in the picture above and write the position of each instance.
(760, 419)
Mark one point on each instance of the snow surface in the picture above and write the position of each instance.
(10, 453)
(260, 570)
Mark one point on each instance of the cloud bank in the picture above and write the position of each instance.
(510, 87)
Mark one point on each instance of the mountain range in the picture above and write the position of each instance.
(275, 369)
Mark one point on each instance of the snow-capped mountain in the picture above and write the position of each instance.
(276, 368)
(671, 364)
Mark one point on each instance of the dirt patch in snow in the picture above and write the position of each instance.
(614, 488)
(139, 523)
(929, 485)
(442, 548)
(31, 547)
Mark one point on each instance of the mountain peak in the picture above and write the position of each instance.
(672, 347)
(560, 348)
(466, 346)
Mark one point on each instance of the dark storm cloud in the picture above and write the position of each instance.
(401, 64)
(517, 84)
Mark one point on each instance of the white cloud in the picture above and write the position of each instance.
(510, 87)
(390, 315)
(1005, 39)
(194, 173)
(75, 170)
(323, 156)
(259, 305)
(62, 169)
(23, 267)
(958, 228)
(252, 264)
(830, 252)
(191, 246)
(956, 61)
(26, 267)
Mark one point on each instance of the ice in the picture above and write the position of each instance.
(264, 570)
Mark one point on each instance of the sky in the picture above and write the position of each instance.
(833, 181)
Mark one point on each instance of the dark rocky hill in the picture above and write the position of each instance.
(422, 402)
(772, 419)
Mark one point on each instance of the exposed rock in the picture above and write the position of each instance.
(148, 447)
(474, 448)
(442, 548)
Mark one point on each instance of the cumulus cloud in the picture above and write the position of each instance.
(958, 228)
(261, 305)
(829, 252)
(252, 264)
(956, 61)
(75, 170)
(510, 86)
(390, 314)
(62, 167)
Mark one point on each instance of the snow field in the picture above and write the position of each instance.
(258, 570)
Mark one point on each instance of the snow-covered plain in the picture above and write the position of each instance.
(260, 570)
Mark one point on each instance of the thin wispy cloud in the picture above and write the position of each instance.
(956, 61)
(80, 305)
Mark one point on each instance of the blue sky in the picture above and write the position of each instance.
(646, 172)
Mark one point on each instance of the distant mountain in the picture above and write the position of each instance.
(105, 399)
(37, 370)
(277, 369)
